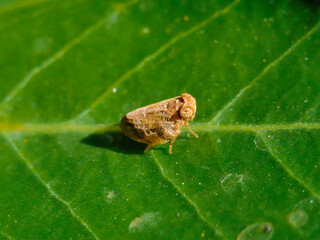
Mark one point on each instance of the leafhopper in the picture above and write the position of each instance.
(160, 122)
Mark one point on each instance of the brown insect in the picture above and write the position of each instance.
(160, 122)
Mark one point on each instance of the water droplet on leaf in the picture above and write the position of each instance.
(298, 218)
(305, 215)
(257, 231)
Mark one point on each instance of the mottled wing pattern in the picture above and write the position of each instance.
(154, 124)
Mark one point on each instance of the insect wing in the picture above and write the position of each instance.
(157, 112)
(156, 123)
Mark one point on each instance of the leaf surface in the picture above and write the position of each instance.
(71, 70)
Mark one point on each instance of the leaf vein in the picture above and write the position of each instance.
(58, 55)
(51, 60)
(90, 128)
(287, 169)
(14, 7)
(229, 104)
(48, 187)
(254, 128)
(6, 235)
(154, 55)
(192, 203)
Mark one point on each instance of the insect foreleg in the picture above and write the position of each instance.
(194, 134)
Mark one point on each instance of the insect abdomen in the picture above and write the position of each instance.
(148, 133)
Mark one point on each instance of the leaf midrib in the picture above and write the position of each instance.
(53, 128)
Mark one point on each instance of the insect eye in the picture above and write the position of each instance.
(187, 113)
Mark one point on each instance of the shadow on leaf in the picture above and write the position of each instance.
(114, 141)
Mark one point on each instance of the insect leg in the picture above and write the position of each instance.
(148, 147)
(170, 147)
(188, 125)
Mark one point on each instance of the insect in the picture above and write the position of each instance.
(160, 122)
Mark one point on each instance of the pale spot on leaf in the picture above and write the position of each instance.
(145, 222)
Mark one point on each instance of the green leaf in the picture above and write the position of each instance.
(71, 69)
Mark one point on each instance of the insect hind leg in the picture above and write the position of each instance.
(148, 147)
(171, 143)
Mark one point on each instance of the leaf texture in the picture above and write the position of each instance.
(71, 69)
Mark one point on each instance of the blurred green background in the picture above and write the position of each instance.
(69, 70)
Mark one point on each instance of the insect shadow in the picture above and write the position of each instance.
(114, 141)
